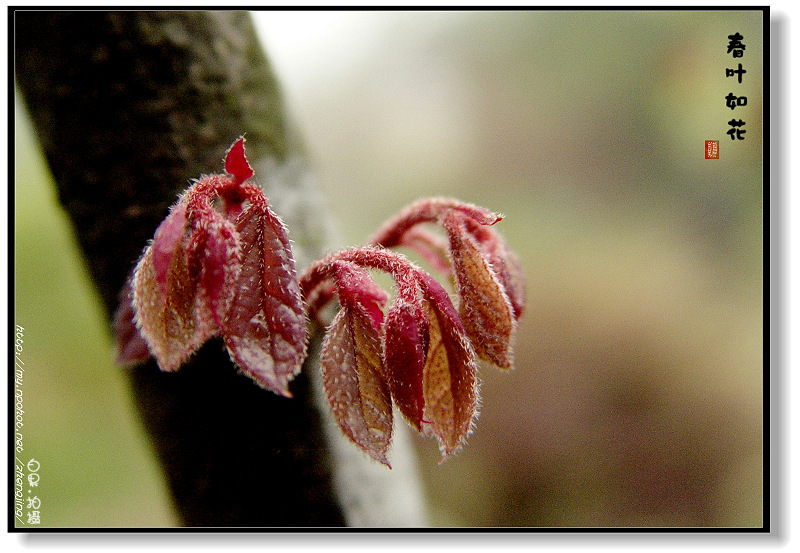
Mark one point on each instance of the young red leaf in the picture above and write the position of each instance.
(169, 234)
(236, 163)
(450, 387)
(355, 285)
(161, 294)
(404, 329)
(405, 344)
(488, 276)
(355, 382)
(429, 348)
(485, 309)
(166, 311)
(216, 248)
(219, 263)
(265, 328)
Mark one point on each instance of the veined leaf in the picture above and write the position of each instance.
(265, 327)
(355, 382)
(405, 343)
(485, 309)
(217, 252)
(166, 314)
(450, 386)
(504, 263)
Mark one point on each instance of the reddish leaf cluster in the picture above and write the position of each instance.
(487, 274)
(221, 264)
(421, 354)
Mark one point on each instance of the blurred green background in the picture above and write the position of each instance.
(636, 399)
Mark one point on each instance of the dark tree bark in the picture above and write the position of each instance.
(128, 107)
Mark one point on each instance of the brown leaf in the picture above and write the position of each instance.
(450, 387)
(485, 308)
(167, 319)
(504, 262)
(355, 381)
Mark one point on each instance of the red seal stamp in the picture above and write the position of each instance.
(712, 149)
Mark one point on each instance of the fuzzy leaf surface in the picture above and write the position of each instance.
(504, 263)
(485, 308)
(355, 383)
(166, 313)
(355, 285)
(449, 377)
(265, 326)
(218, 253)
(405, 343)
(166, 242)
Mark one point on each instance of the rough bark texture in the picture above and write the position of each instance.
(128, 107)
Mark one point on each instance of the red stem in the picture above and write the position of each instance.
(401, 269)
(429, 210)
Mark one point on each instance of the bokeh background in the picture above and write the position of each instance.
(636, 399)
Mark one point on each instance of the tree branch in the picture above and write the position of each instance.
(128, 106)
